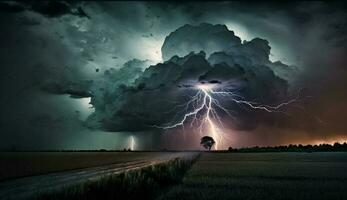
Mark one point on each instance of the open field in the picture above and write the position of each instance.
(265, 176)
(143, 183)
(155, 175)
(19, 164)
(93, 177)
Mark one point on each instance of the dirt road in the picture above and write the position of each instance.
(23, 188)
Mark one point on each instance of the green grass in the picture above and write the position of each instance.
(146, 183)
(19, 164)
(265, 176)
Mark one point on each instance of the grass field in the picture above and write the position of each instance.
(265, 176)
(19, 164)
(214, 175)
(144, 183)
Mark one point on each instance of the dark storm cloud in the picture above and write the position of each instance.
(11, 7)
(76, 90)
(145, 102)
(309, 35)
(43, 44)
(46, 8)
(190, 38)
(31, 57)
(107, 88)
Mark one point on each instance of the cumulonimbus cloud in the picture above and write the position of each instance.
(147, 99)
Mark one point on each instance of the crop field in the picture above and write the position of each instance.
(264, 176)
(211, 175)
(19, 164)
(115, 174)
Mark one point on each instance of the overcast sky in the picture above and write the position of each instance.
(47, 47)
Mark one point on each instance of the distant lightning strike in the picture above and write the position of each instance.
(132, 143)
(205, 104)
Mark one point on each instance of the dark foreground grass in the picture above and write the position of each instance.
(20, 164)
(145, 183)
(259, 176)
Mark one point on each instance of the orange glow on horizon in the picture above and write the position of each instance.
(330, 141)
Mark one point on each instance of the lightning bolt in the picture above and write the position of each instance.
(132, 143)
(204, 106)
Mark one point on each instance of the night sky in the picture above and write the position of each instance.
(88, 75)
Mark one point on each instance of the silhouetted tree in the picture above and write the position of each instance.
(207, 142)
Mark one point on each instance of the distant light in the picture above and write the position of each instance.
(82, 106)
(239, 30)
(132, 143)
(153, 49)
(205, 87)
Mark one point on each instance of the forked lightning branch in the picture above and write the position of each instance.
(202, 110)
